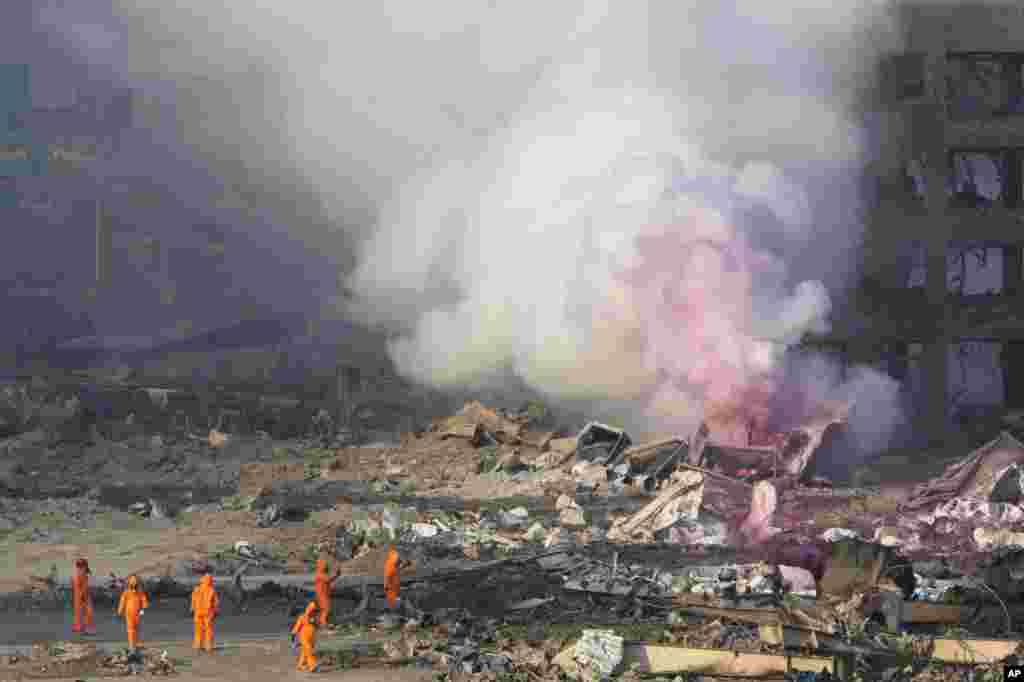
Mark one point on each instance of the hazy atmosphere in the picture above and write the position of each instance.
(625, 207)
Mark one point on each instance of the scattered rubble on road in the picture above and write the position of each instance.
(80, 659)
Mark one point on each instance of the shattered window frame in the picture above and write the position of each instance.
(1002, 71)
(961, 177)
(960, 349)
(959, 254)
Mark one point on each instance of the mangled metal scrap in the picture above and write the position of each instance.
(992, 473)
(788, 454)
(481, 424)
(601, 444)
(680, 501)
(647, 465)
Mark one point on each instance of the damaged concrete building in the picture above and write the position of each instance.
(942, 272)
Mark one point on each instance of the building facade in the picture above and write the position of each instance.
(941, 305)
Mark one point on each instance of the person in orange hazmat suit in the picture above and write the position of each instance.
(323, 584)
(133, 604)
(305, 629)
(80, 599)
(205, 607)
(391, 577)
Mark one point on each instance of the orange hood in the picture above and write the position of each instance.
(133, 583)
(321, 566)
(207, 582)
(311, 609)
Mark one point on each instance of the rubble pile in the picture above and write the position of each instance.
(138, 662)
(739, 558)
(64, 659)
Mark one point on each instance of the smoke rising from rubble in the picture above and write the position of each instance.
(611, 199)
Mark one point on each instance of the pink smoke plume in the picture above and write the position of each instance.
(690, 285)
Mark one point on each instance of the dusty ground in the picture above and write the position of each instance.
(245, 662)
(123, 544)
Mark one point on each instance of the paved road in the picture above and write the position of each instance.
(167, 621)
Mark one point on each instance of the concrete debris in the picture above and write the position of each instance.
(756, 528)
(598, 654)
(217, 439)
(989, 538)
(896, 536)
(798, 580)
(572, 517)
(592, 475)
(601, 444)
(991, 474)
(683, 498)
(853, 566)
(513, 518)
(559, 537)
(536, 532)
(269, 516)
(727, 547)
(425, 530)
(839, 534)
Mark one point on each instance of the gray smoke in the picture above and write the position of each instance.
(644, 202)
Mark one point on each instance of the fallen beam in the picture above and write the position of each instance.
(688, 482)
(973, 651)
(642, 456)
(797, 638)
(926, 612)
(660, 659)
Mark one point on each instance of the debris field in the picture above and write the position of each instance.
(531, 550)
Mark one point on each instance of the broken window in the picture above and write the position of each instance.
(982, 86)
(974, 269)
(981, 269)
(975, 377)
(978, 179)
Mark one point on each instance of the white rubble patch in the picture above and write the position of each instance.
(990, 538)
(839, 534)
(425, 530)
(600, 652)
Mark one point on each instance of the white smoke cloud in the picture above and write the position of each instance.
(557, 187)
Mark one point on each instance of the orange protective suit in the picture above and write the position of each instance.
(133, 602)
(391, 580)
(323, 584)
(305, 628)
(205, 607)
(80, 599)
